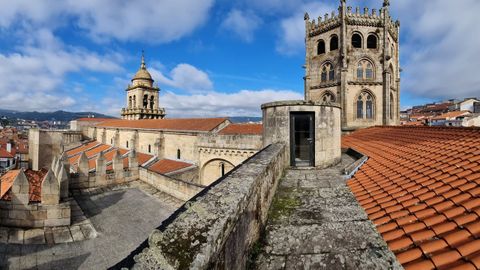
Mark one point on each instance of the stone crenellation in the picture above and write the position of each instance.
(53, 208)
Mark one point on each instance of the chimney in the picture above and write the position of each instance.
(9, 147)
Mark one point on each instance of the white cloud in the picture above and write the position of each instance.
(185, 77)
(33, 77)
(242, 103)
(154, 21)
(292, 29)
(241, 23)
(440, 48)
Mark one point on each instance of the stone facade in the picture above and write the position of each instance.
(44, 145)
(219, 154)
(142, 97)
(276, 128)
(353, 59)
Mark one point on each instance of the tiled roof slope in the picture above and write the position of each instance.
(164, 166)
(6, 181)
(5, 154)
(242, 129)
(421, 188)
(193, 124)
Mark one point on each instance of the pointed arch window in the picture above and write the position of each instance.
(334, 43)
(149, 148)
(130, 102)
(178, 154)
(328, 72)
(365, 70)
(321, 47)
(365, 106)
(328, 97)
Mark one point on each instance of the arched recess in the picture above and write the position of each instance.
(334, 43)
(372, 41)
(392, 106)
(365, 69)
(321, 47)
(212, 170)
(357, 40)
(328, 96)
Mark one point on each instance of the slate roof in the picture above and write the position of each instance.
(242, 129)
(192, 124)
(421, 188)
(165, 166)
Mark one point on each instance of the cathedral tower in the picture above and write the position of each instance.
(352, 58)
(142, 97)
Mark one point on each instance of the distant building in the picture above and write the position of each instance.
(476, 107)
(450, 119)
(465, 105)
(7, 160)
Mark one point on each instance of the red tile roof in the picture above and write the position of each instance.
(164, 166)
(93, 119)
(35, 179)
(6, 181)
(449, 115)
(194, 124)
(421, 188)
(5, 154)
(95, 148)
(242, 129)
(82, 148)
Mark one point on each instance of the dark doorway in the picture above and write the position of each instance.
(302, 139)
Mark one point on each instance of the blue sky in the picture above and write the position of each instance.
(210, 57)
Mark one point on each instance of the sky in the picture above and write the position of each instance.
(211, 57)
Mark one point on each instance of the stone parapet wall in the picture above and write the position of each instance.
(237, 141)
(34, 215)
(94, 180)
(217, 228)
(179, 189)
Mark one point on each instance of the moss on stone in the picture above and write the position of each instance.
(284, 203)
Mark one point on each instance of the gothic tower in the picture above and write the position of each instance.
(142, 97)
(352, 59)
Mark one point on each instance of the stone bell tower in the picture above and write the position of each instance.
(352, 59)
(142, 97)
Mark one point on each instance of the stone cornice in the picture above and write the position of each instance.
(325, 85)
(365, 83)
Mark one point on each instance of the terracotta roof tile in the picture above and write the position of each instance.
(421, 188)
(164, 166)
(6, 181)
(5, 154)
(242, 129)
(193, 124)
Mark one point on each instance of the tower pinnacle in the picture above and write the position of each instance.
(386, 3)
(142, 66)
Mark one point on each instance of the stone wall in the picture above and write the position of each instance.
(180, 189)
(327, 129)
(229, 150)
(45, 144)
(84, 177)
(217, 228)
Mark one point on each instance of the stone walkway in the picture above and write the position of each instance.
(123, 217)
(315, 222)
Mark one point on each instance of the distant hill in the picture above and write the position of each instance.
(49, 116)
(245, 119)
